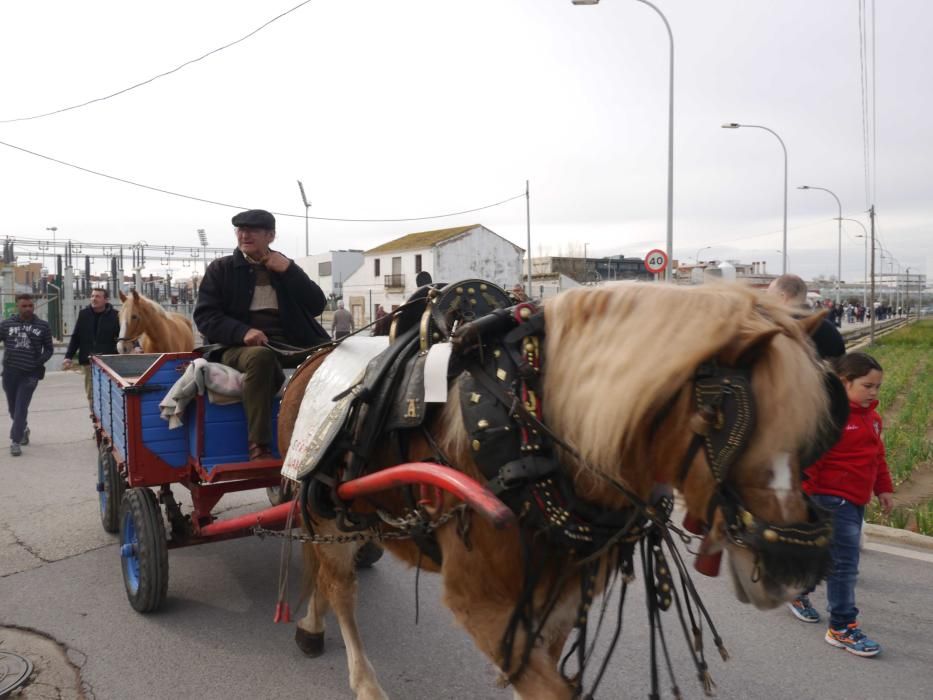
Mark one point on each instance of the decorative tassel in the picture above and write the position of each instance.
(708, 684)
(722, 651)
(278, 613)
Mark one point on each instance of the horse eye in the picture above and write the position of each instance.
(134, 317)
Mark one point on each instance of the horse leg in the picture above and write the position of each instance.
(336, 581)
(309, 632)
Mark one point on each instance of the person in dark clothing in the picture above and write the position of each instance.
(27, 347)
(793, 292)
(250, 302)
(95, 333)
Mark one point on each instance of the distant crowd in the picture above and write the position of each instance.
(857, 313)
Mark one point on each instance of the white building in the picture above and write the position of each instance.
(331, 269)
(389, 271)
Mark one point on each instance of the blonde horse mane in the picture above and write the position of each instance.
(617, 355)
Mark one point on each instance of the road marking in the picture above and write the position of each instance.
(899, 552)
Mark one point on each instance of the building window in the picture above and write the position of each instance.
(376, 267)
(323, 269)
(397, 266)
(418, 263)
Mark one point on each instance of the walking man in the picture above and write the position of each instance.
(250, 302)
(792, 291)
(27, 347)
(343, 322)
(95, 333)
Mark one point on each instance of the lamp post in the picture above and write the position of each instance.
(584, 262)
(307, 204)
(864, 235)
(734, 125)
(670, 135)
(839, 251)
(202, 236)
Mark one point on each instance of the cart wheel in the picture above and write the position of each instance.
(110, 488)
(143, 550)
(280, 494)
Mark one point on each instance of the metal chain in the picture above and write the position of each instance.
(404, 529)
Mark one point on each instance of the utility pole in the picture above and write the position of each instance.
(871, 334)
(307, 207)
(528, 230)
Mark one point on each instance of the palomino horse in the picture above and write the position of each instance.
(156, 329)
(642, 386)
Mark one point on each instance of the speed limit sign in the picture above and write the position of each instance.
(656, 261)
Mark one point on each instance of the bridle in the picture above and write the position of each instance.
(723, 424)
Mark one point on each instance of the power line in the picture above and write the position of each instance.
(239, 206)
(160, 75)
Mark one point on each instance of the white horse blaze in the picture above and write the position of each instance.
(782, 480)
(121, 347)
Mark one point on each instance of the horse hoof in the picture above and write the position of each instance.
(311, 645)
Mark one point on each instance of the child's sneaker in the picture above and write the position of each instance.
(25, 440)
(802, 609)
(15, 449)
(853, 640)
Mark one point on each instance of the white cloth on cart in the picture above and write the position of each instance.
(221, 383)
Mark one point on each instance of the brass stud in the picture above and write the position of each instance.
(820, 541)
(501, 374)
(470, 290)
(483, 424)
(529, 347)
(473, 301)
(497, 353)
(748, 518)
(459, 290)
(474, 398)
(770, 535)
(525, 313)
(483, 287)
(476, 444)
(665, 587)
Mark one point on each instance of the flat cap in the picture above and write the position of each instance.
(255, 218)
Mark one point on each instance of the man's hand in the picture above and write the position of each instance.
(276, 262)
(66, 364)
(254, 336)
(887, 502)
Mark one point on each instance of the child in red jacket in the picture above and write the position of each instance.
(842, 481)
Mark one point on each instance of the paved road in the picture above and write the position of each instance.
(60, 574)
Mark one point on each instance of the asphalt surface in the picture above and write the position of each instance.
(60, 575)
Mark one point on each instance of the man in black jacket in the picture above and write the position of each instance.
(95, 333)
(28, 346)
(793, 292)
(252, 301)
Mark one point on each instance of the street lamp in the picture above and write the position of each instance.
(733, 125)
(839, 251)
(307, 204)
(697, 256)
(670, 135)
(202, 236)
(864, 235)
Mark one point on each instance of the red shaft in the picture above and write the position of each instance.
(478, 497)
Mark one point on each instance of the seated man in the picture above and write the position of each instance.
(250, 300)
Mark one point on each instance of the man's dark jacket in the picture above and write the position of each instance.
(86, 342)
(222, 311)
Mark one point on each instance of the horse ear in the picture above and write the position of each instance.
(122, 296)
(811, 322)
(135, 295)
(748, 351)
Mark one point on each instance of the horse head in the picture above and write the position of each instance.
(714, 390)
(133, 313)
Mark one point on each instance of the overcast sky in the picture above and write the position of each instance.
(407, 108)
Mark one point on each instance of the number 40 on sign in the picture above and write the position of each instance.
(656, 261)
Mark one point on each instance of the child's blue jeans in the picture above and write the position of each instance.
(840, 585)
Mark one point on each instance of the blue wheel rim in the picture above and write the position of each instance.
(102, 485)
(129, 552)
